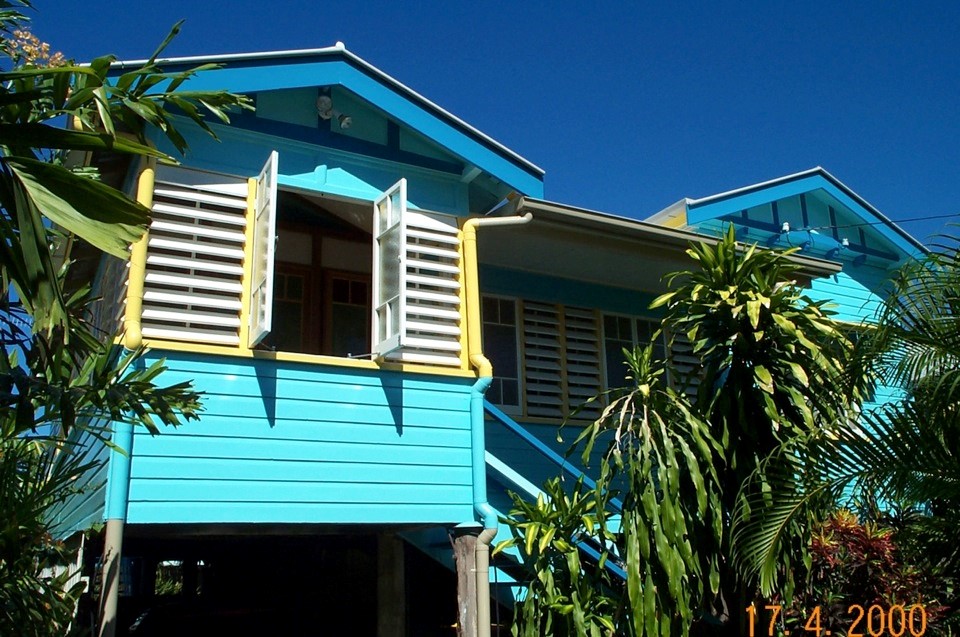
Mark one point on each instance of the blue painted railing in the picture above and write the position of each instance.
(522, 484)
(565, 466)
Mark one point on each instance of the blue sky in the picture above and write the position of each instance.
(629, 106)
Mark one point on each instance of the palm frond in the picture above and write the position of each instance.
(901, 452)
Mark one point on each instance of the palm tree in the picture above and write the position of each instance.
(58, 378)
(905, 452)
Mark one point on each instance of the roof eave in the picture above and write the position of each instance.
(340, 49)
(648, 232)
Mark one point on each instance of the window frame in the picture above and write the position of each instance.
(520, 409)
(634, 319)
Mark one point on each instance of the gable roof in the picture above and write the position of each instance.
(692, 212)
(275, 70)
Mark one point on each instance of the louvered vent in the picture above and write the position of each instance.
(686, 365)
(561, 366)
(194, 270)
(542, 365)
(582, 354)
(431, 284)
(111, 292)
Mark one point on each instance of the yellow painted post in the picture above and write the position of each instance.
(464, 345)
(132, 330)
(245, 292)
(472, 280)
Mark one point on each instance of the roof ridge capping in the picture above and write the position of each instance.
(340, 49)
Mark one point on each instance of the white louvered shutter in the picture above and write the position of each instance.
(264, 245)
(416, 282)
(582, 356)
(543, 360)
(685, 364)
(389, 261)
(194, 268)
(562, 361)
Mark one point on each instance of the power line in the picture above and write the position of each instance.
(881, 223)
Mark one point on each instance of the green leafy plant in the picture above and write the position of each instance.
(693, 455)
(858, 563)
(772, 369)
(109, 115)
(566, 595)
(664, 538)
(903, 452)
(61, 383)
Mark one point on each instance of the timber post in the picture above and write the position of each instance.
(391, 591)
(465, 558)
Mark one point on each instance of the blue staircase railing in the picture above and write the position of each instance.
(520, 483)
(548, 453)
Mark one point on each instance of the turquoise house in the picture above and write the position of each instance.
(388, 322)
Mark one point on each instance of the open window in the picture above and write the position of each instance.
(362, 281)
(322, 276)
(327, 276)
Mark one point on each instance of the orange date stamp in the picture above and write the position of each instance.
(871, 621)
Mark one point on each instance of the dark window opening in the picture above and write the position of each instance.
(322, 281)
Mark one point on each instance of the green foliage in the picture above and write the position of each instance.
(565, 596)
(772, 370)
(767, 351)
(62, 378)
(905, 452)
(771, 373)
(666, 538)
(854, 562)
(670, 531)
(169, 580)
(34, 478)
(108, 116)
(917, 342)
(61, 383)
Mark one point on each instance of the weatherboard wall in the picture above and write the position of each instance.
(296, 443)
(85, 508)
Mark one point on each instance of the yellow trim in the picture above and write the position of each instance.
(472, 280)
(678, 222)
(245, 292)
(314, 359)
(464, 341)
(133, 336)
